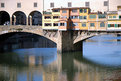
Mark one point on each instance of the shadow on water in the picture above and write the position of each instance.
(19, 40)
(32, 61)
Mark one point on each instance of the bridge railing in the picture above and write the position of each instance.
(18, 27)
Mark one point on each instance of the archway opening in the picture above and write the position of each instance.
(19, 18)
(4, 18)
(35, 18)
(24, 40)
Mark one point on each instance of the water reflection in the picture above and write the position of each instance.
(100, 61)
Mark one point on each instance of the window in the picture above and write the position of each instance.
(119, 25)
(92, 24)
(2, 5)
(102, 24)
(110, 25)
(110, 16)
(74, 17)
(116, 25)
(62, 24)
(64, 11)
(81, 10)
(87, 4)
(92, 16)
(51, 4)
(18, 5)
(85, 10)
(55, 24)
(64, 17)
(119, 17)
(85, 17)
(48, 24)
(74, 10)
(35, 4)
(81, 17)
(47, 17)
(101, 16)
(114, 16)
(83, 24)
(69, 4)
(105, 3)
(56, 17)
(56, 10)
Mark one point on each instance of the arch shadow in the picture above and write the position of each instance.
(19, 18)
(4, 18)
(35, 18)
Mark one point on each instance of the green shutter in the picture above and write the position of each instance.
(116, 25)
(108, 25)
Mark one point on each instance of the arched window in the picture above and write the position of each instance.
(102, 24)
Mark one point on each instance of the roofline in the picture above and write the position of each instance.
(72, 8)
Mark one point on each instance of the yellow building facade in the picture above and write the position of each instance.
(83, 16)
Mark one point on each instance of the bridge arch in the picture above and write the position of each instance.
(35, 18)
(4, 18)
(25, 39)
(19, 18)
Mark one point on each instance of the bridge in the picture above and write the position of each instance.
(70, 40)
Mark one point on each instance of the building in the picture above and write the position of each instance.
(21, 12)
(92, 21)
(114, 19)
(83, 16)
(95, 5)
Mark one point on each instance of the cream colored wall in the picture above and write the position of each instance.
(27, 6)
(95, 5)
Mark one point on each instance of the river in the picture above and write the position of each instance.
(100, 60)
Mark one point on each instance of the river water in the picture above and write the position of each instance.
(99, 61)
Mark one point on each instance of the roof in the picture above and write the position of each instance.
(71, 8)
(93, 13)
(112, 12)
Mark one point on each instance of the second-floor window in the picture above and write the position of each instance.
(64, 11)
(55, 24)
(119, 17)
(47, 17)
(35, 4)
(74, 17)
(83, 17)
(92, 16)
(56, 17)
(48, 24)
(18, 5)
(83, 24)
(74, 10)
(62, 24)
(102, 24)
(56, 10)
(92, 24)
(2, 5)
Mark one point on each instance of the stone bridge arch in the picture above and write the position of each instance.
(33, 29)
